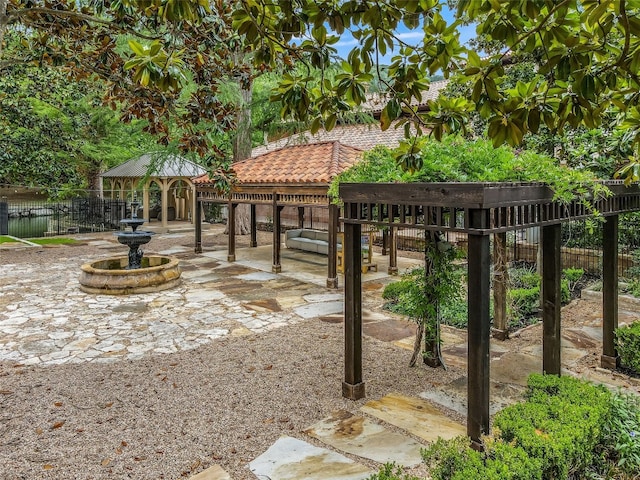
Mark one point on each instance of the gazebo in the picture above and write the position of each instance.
(293, 176)
(480, 210)
(171, 174)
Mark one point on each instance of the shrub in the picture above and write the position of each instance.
(560, 423)
(628, 346)
(622, 433)
(455, 460)
(391, 471)
(566, 428)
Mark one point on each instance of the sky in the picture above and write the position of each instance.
(347, 42)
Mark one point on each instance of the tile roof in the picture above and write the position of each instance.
(170, 166)
(361, 136)
(375, 103)
(315, 163)
(364, 137)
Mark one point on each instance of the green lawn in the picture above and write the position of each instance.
(42, 241)
(54, 241)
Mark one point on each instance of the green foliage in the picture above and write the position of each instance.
(523, 296)
(565, 428)
(622, 433)
(454, 459)
(583, 58)
(54, 133)
(561, 423)
(391, 471)
(456, 159)
(628, 346)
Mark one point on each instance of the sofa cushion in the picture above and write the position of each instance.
(311, 234)
(322, 236)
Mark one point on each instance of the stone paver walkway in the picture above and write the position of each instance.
(61, 324)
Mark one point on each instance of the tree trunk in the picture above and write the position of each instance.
(4, 21)
(242, 151)
(429, 328)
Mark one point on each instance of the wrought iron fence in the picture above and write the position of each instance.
(42, 218)
(581, 244)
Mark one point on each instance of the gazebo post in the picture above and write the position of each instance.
(198, 226)
(551, 298)
(332, 267)
(609, 358)
(145, 201)
(231, 227)
(479, 329)
(277, 209)
(352, 386)
(254, 227)
(165, 202)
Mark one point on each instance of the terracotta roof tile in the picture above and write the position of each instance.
(314, 163)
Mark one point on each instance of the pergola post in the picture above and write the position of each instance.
(551, 298)
(393, 251)
(197, 219)
(254, 227)
(609, 358)
(478, 330)
(300, 217)
(231, 227)
(277, 209)
(352, 386)
(332, 266)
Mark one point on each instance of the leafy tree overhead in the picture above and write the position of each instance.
(586, 55)
(56, 133)
(162, 61)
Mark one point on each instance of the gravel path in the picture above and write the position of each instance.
(172, 416)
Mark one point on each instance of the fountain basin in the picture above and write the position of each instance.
(111, 276)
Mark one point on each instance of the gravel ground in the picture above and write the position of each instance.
(172, 416)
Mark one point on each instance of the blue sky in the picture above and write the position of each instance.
(347, 42)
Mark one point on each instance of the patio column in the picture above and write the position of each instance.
(254, 227)
(332, 267)
(352, 386)
(393, 251)
(551, 299)
(231, 228)
(478, 329)
(197, 220)
(277, 209)
(300, 217)
(609, 358)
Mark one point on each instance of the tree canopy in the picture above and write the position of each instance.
(586, 55)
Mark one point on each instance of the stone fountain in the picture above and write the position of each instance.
(135, 273)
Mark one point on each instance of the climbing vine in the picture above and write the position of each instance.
(425, 290)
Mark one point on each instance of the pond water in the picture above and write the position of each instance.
(29, 227)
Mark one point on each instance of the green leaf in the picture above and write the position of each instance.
(137, 48)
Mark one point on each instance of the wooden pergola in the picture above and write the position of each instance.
(294, 176)
(480, 210)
